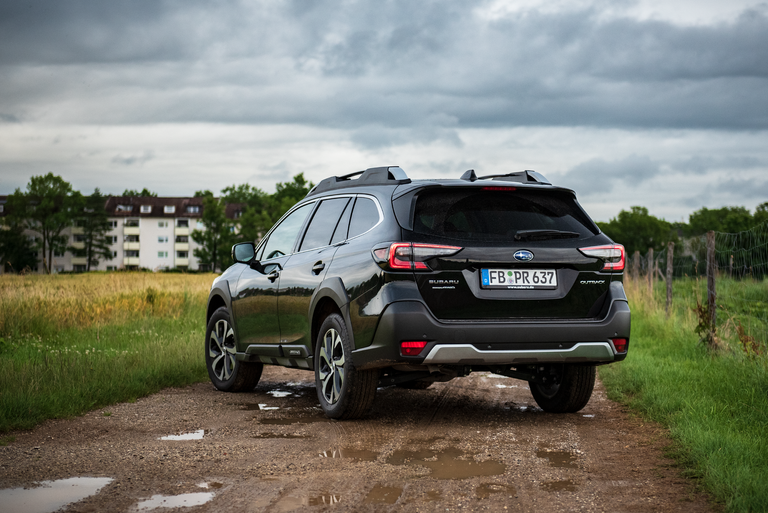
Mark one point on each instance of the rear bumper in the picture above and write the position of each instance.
(493, 343)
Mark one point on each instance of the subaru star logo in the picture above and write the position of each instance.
(523, 255)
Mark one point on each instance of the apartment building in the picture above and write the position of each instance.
(145, 233)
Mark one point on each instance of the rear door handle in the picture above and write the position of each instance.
(319, 266)
(273, 275)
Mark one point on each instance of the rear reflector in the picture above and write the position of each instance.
(407, 256)
(612, 255)
(412, 348)
(620, 344)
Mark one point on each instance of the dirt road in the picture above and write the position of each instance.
(475, 443)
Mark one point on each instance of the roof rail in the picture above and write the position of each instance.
(388, 175)
(526, 176)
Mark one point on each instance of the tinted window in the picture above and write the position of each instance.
(497, 215)
(323, 223)
(365, 215)
(282, 239)
(343, 227)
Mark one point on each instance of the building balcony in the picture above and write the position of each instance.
(131, 230)
(181, 246)
(182, 230)
(77, 230)
(79, 261)
(131, 246)
(182, 262)
(131, 261)
(78, 245)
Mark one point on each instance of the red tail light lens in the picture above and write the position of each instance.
(412, 348)
(620, 344)
(612, 255)
(407, 256)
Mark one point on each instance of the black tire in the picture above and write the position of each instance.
(571, 394)
(415, 385)
(343, 391)
(227, 373)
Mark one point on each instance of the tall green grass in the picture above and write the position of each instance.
(715, 403)
(135, 336)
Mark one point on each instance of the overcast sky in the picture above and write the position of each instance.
(656, 103)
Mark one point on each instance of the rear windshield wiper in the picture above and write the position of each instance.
(544, 234)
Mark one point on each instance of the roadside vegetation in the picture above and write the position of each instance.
(72, 343)
(714, 402)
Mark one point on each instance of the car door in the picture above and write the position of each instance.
(305, 270)
(255, 304)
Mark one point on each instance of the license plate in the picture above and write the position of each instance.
(518, 278)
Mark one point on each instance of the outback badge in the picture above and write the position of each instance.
(523, 255)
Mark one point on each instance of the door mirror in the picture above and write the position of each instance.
(243, 252)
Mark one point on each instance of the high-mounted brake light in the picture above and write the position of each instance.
(612, 255)
(407, 256)
(412, 348)
(497, 188)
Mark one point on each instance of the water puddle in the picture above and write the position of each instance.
(291, 503)
(588, 416)
(279, 435)
(51, 495)
(506, 386)
(355, 454)
(450, 463)
(287, 421)
(560, 459)
(383, 495)
(429, 496)
(185, 500)
(195, 435)
(210, 485)
(485, 490)
(279, 393)
(559, 486)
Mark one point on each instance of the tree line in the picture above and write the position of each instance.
(637, 230)
(49, 205)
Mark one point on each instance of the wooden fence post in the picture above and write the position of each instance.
(650, 272)
(670, 252)
(711, 292)
(636, 267)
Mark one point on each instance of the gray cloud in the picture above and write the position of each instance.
(377, 66)
(130, 160)
(599, 176)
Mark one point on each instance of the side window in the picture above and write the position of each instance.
(342, 227)
(323, 223)
(283, 237)
(365, 215)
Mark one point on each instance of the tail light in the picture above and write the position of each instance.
(408, 256)
(612, 255)
(620, 344)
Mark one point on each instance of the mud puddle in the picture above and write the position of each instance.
(559, 459)
(51, 495)
(288, 421)
(486, 490)
(280, 435)
(559, 486)
(449, 463)
(293, 502)
(185, 500)
(355, 454)
(383, 495)
(194, 435)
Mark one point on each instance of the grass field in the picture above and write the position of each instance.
(715, 403)
(71, 343)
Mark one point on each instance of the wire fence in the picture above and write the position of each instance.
(722, 276)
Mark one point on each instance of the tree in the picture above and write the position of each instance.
(761, 214)
(217, 235)
(637, 230)
(16, 250)
(94, 221)
(145, 193)
(46, 208)
(725, 219)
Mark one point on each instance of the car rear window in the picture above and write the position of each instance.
(488, 215)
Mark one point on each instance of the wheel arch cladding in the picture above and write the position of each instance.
(214, 303)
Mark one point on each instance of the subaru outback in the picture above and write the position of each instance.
(377, 280)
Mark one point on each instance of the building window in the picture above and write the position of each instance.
(124, 208)
(182, 223)
(132, 223)
(132, 254)
(78, 238)
(113, 224)
(162, 238)
(146, 209)
(193, 209)
(79, 268)
(2, 208)
(162, 254)
(114, 255)
(182, 254)
(182, 238)
(111, 268)
(169, 209)
(200, 224)
(57, 254)
(112, 239)
(162, 224)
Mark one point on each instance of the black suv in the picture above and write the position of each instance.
(375, 279)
